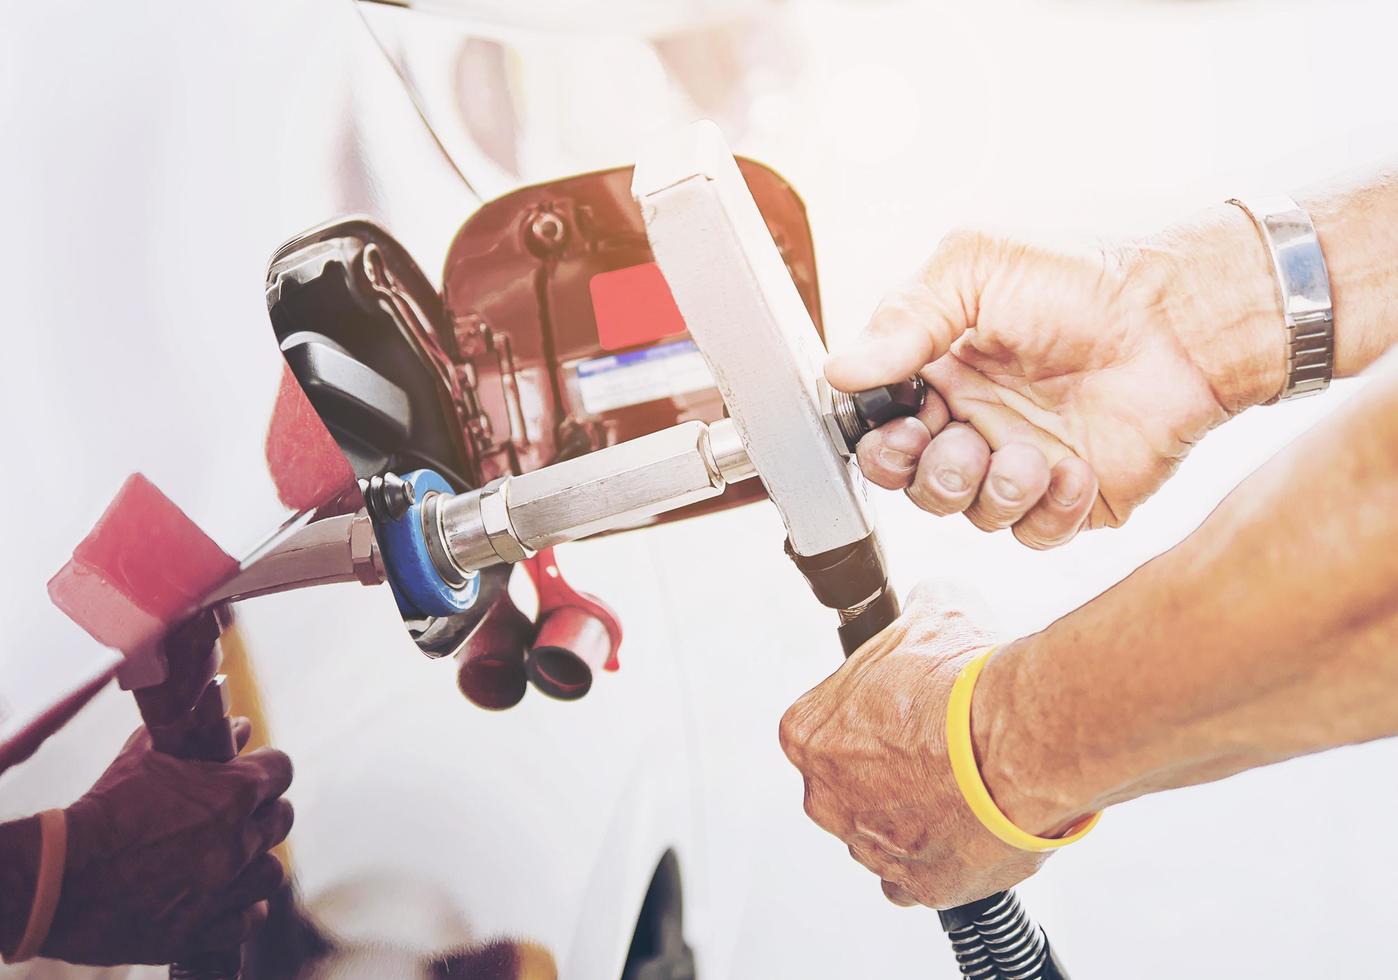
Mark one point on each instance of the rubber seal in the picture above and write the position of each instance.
(412, 575)
(843, 577)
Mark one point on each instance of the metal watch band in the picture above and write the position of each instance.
(1304, 282)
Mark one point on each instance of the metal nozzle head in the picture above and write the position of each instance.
(888, 402)
(864, 411)
(388, 496)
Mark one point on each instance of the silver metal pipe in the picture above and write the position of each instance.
(342, 548)
(619, 486)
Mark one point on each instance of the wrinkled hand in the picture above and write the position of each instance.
(1065, 387)
(168, 857)
(871, 744)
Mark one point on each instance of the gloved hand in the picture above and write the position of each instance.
(1066, 387)
(168, 857)
(870, 742)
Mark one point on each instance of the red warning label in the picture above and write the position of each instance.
(633, 306)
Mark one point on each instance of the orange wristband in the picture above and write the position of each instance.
(53, 856)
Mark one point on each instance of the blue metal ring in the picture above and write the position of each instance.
(413, 576)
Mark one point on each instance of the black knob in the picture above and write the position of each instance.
(876, 406)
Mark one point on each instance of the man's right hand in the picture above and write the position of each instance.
(1066, 387)
(167, 858)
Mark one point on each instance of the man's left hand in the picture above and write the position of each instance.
(871, 744)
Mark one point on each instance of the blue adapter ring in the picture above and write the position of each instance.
(412, 575)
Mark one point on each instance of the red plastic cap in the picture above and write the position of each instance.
(143, 567)
(306, 463)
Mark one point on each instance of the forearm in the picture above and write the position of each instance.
(1213, 275)
(19, 865)
(1269, 633)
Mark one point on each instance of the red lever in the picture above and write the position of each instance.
(556, 594)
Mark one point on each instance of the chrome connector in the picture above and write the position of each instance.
(620, 486)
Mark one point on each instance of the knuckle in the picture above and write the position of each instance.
(223, 863)
(244, 793)
(961, 438)
(281, 823)
(271, 878)
(252, 918)
(896, 894)
(869, 855)
(793, 732)
(897, 308)
(278, 764)
(272, 769)
(963, 241)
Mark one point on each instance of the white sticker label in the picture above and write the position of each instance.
(646, 375)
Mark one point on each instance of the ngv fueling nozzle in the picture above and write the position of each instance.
(786, 426)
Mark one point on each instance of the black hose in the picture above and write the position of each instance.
(994, 939)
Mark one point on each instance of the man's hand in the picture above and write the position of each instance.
(871, 744)
(1066, 387)
(168, 857)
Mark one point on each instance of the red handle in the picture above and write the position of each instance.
(556, 594)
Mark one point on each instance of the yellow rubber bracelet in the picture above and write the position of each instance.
(968, 773)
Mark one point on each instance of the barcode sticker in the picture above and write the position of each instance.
(646, 375)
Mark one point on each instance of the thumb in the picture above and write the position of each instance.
(917, 322)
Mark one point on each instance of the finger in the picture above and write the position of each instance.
(888, 456)
(950, 471)
(897, 894)
(793, 732)
(870, 855)
(242, 731)
(230, 929)
(934, 413)
(197, 633)
(1060, 513)
(917, 322)
(259, 881)
(823, 813)
(268, 773)
(139, 739)
(1000, 416)
(269, 825)
(1017, 477)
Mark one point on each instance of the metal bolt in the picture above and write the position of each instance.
(389, 496)
(547, 231)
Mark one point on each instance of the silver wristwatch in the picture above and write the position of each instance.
(1304, 283)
